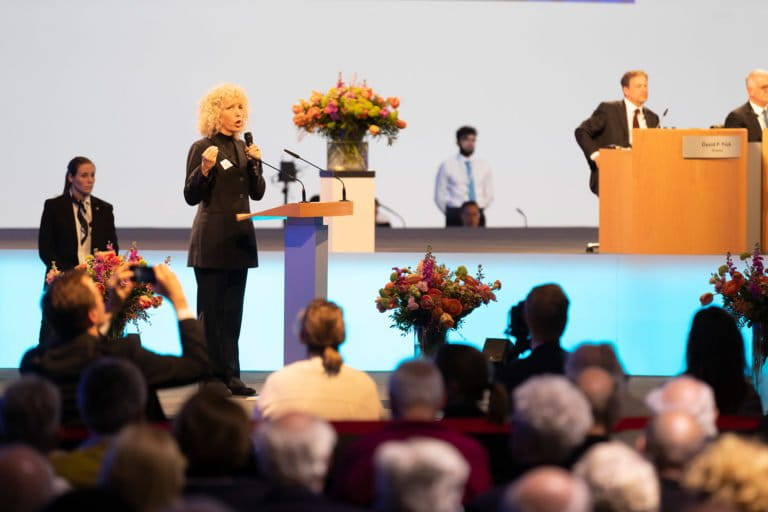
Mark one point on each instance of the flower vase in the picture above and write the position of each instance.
(116, 329)
(759, 350)
(347, 155)
(427, 341)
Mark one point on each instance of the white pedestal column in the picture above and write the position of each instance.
(356, 232)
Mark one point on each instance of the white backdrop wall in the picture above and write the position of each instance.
(119, 82)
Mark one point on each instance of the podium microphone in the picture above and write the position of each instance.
(343, 187)
(663, 116)
(281, 173)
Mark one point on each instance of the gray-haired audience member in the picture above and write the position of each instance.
(689, 395)
(145, 468)
(26, 479)
(550, 421)
(295, 450)
(619, 479)
(416, 391)
(111, 394)
(671, 440)
(547, 489)
(419, 475)
(30, 413)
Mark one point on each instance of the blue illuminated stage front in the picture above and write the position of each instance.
(642, 304)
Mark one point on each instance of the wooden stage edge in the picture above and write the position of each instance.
(549, 240)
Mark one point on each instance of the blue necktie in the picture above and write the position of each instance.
(471, 180)
(81, 219)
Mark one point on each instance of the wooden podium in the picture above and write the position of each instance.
(306, 260)
(680, 192)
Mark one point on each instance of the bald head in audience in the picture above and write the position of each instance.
(603, 393)
(688, 395)
(547, 489)
(672, 439)
(26, 479)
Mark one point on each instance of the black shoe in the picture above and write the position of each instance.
(242, 390)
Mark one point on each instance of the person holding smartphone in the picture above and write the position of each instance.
(222, 174)
(75, 224)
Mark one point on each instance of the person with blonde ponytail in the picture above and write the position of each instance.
(321, 385)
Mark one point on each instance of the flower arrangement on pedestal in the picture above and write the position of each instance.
(100, 266)
(345, 115)
(745, 296)
(432, 299)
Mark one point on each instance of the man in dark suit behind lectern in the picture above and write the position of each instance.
(612, 121)
(753, 115)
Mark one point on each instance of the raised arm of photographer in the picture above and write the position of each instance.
(170, 286)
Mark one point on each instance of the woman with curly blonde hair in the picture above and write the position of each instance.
(733, 471)
(321, 385)
(222, 173)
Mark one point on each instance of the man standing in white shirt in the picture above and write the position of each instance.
(612, 122)
(753, 115)
(463, 178)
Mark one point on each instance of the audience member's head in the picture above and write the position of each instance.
(671, 440)
(757, 87)
(145, 468)
(26, 479)
(416, 391)
(547, 489)
(604, 395)
(551, 419)
(688, 395)
(295, 450)
(419, 475)
(112, 393)
(30, 413)
(546, 313)
(470, 214)
(466, 138)
(466, 377)
(601, 355)
(321, 329)
(715, 355)
(733, 471)
(619, 478)
(72, 304)
(214, 434)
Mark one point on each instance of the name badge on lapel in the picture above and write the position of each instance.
(225, 164)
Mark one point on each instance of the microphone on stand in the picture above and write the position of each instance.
(663, 116)
(343, 187)
(524, 216)
(281, 173)
(393, 212)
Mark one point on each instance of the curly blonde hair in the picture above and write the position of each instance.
(209, 115)
(734, 471)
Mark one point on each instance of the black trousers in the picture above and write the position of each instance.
(453, 217)
(220, 296)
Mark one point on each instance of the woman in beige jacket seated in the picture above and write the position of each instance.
(321, 385)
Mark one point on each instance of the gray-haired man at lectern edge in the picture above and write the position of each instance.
(753, 115)
(612, 122)
(462, 178)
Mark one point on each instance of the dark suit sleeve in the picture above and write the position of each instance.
(168, 371)
(256, 183)
(197, 187)
(735, 120)
(46, 243)
(588, 131)
(109, 223)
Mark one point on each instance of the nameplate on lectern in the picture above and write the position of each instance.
(711, 146)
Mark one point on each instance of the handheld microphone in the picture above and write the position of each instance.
(281, 173)
(343, 187)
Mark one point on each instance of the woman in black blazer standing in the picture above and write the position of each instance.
(75, 224)
(222, 174)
